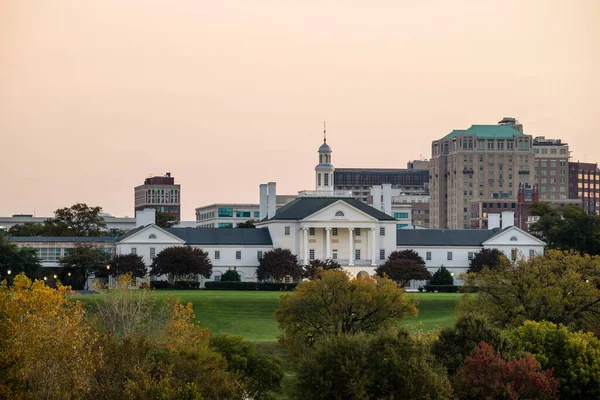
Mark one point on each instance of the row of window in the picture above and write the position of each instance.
(56, 253)
(334, 231)
(227, 212)
(238, 255)
(552, 151)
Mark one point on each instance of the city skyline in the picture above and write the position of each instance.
(98, 95)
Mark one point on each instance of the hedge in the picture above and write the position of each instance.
(261, 286)
(178, 285)
(441, 288)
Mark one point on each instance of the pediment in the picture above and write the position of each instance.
(513, 237)
(339, 211)
(152, 234)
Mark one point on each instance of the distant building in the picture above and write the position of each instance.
(584, 186)
(160, 193)
(551, 168)
(113, 224)
(229, 215)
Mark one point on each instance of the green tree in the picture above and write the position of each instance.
(277, 264)
(574, 356)
(491, 258)
(560, 287)
(454, 344)
(231, 275)
(133, 264)
(165, 219)
(27, 229)
(248, 224)
(333, 304)
(182, 262)
(403, 267)
(386, 365)
(486, 375)
(17, 259)
(317, 266)
(77, 220)
(442, 277)
(260, 374)
(85, 259)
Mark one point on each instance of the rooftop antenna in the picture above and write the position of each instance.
(324, 131)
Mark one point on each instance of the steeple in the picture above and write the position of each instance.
(324, 170)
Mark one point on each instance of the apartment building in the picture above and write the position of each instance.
(551, 168)
(160, 193)
(584, 185)
(482, 162)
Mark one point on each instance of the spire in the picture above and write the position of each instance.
(324, 131)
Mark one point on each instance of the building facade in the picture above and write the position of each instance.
(584, 186)
(113, 224)
(551, 168)
(160, 193)
(482, 162)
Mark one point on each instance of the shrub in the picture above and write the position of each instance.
(231, 275)
(442, 277)
(186, 285)
(260, 286)
(160, 285)
(441, 288)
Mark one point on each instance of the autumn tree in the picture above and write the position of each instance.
(574, 356)
(277, 264)
(17, 259)
(85, 259)
(486, 375)
(491, 258)
(182, 262)
(403, 267)
(313, 268)
(133, 264)
(333, 304)
(231, 275)
(560, 287)
(165, 219)
(77, 220)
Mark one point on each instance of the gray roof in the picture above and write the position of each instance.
(444, 237)
(40, 239)
(324, 148)
(223, 236)
(303, 207)
(131, 232)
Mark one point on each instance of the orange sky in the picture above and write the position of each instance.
(95, 95)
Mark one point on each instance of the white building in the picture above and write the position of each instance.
(112, 223)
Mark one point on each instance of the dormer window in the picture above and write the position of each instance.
(152, 236)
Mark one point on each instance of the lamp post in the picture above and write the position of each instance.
(9, 272)
(108, 275)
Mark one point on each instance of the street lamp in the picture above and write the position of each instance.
(69, 274)
(54, 276)
(45, 278)
(8, 272)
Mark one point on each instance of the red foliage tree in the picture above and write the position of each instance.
(486, 375)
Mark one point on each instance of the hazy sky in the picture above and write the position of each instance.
(96, 95)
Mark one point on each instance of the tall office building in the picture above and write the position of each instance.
(160, 193)
(482, 164)
(551, 168)
(584, 186)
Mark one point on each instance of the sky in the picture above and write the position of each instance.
(97, 95)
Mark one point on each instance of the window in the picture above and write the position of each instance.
(318, 179)
(259, 255)
(286, 231)
(513, 254)
(382, 254)
(514, 239)
(217, 255)
(152, 236)
(225, 224)
(225, 212)
(216, 276)
(401, 215)
(238, 254)
(152, 252)
(311, 254)
(339, 214)
(256, 214)
(399, 226)
(357, 254)
(52, 254)
(357, 231)
(382, 231)
(449, 256)
(242, 214)
(311, 231)
(428, 256)
(133, 250)
(326, 180)
(470, 256)
(334, 254)
(334, 231)
(531, 253)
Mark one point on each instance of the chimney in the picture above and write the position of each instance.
(263, 201)
(271, 199)
(376, 190)
(493, 221)
(387, 198)
(508, 219)
(147, 216)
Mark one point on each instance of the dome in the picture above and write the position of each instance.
(324, 148)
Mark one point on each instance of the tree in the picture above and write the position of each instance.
(77, 220)
(317, 266)
(491, 258)
(27, 229)
(560, 287)
(455, 343)
(165, 219)
(386, 365)
(181, 263)
(85, 259)
(231, 275)
(486, 375)
(277, 264)
(333, 304)
(442, 277)
(17, 259)
(404, 266)
(261, 374)
(121, 264)
(247, 224)
(574, 356)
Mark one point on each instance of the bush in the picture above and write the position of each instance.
(441, 288)
(261, 286)
(231, 275)
(160, 285)
(186, 285)
(442, 277)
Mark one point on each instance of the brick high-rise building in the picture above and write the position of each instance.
(482, 164)
(551, 168)
(584, 185)
(160, 193)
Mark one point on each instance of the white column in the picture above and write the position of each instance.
(350, 246)
(373, 247)
(327, 243)
(305, 261)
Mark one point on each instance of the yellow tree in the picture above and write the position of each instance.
(51, 350)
